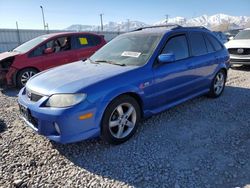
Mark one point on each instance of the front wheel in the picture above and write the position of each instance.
(120, 120)
(24, 75)
(218, 84)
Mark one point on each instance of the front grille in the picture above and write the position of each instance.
(33, 96)
(240, 60)
(239, 51)
(33, 121)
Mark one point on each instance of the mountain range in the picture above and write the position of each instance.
(232, 22)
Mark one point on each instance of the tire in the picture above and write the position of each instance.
(24, 75)
(218, 84)
(120, 120)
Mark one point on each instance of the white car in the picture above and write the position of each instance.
(239, 48)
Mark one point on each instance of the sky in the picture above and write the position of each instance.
(60, 14)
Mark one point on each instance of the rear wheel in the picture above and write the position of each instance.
(24, 75)
(120, 120)
(218, 84)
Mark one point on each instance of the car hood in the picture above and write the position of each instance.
(238, 44)
(73, 77)
(5, 55)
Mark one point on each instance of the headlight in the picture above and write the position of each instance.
(65, 100)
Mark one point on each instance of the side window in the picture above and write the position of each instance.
(215, 42)
(96, 40)
(38, 51)
(198, 46)
(83, 41)
(210, 48)
(178, 46)
(58, 45)
(62, 44)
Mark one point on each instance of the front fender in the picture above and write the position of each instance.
(104, 101)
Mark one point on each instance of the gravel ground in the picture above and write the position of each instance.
(201, 143)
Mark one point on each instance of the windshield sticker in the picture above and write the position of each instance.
(131, 54)
(83, 41)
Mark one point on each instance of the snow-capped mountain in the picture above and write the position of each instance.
(211, 22)
(111, 26)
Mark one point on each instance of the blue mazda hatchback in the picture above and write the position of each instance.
(136, 75)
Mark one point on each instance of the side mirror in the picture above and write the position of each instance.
(166, 58)
(231, 38)
(48, 51)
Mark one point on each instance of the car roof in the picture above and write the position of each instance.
(67, 34)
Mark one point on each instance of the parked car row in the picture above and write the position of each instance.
(134, 76)
(110, 87)
(44, 52)
(239, 48)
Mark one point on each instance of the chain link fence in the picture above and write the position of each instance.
(11, 38)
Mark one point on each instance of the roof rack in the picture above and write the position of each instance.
(157, 26)
(174, 26)
(196, 27)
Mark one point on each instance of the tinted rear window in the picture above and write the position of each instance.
(210, 48)
(96, 40)
(83, 41)
(198, 46)
(216, 44)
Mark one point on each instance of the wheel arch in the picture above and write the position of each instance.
(224, 70)
(105, 103)
(17, 72)
(134, 95)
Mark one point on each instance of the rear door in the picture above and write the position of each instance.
(217, 46)
(201, 62)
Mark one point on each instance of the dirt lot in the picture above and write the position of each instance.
(202, 143)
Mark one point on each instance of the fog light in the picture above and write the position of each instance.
(86, 116)
(57, 128)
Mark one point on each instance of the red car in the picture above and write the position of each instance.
(44, 52)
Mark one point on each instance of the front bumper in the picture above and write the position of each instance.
(240, 59)
(71, 129)
(3, 80)
(7, 76)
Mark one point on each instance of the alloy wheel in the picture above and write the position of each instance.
(26, 76)
(122, 120)
(219, 83)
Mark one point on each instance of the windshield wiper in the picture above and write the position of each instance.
(110, 62)
(91, 61)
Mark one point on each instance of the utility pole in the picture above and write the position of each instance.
(44, 26)
(18, 34)
(128, 24)
(47, 26)
(101, 21)
(167, 16)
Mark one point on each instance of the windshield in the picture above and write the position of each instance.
(25, 47)
(245, 34)
(128, 49)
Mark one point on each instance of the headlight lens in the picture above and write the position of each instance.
(65, 100)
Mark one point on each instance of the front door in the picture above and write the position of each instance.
(60, 53)
(172, 80)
